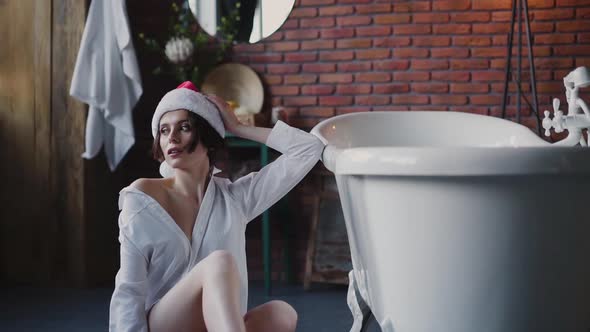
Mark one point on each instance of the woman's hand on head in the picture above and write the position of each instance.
(230, 121)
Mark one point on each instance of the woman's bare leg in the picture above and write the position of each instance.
(273, 316)
(206, 299)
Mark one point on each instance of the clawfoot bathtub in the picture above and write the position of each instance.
(461, 223)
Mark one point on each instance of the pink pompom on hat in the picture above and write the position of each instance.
(187, 97)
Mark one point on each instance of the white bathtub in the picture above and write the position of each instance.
(462, 223)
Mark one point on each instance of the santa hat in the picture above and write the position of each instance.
(187, 97)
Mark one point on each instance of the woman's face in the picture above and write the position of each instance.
(176, 135)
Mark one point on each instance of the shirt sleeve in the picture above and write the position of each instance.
(127, 309)
(258, 191)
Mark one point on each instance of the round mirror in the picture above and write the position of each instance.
(245, 20)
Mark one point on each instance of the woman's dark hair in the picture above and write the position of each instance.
(202, 132)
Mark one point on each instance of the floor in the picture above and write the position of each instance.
(323, 309)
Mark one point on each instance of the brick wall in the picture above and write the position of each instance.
(338, 56)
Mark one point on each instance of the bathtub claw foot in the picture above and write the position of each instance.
(361, 313)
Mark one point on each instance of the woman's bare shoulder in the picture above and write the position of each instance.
(153, 187)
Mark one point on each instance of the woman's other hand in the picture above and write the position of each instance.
(230, 121)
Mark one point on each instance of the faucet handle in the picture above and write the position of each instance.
(547, 123)
(558, 121)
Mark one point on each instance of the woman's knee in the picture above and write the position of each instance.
(285, 315)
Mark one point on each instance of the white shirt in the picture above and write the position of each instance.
(106, 77)
(155, 252)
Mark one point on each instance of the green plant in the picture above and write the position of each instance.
(199, 52)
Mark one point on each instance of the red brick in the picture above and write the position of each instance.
(317, 111)
(373, 8)
(431, 41)
(316, 2)
(373, 31)
(472, 41)
(265, 58)
(336, 78)
(411, 76)
(302, 34)
(391, 108)
(354, 66)
(300, 57)
(412, 29)
(353, 20)
(353, 109)
(291, 23)
(354, 43)
(451, 29)
(581, 61)
(377, 53)
(278, 35)
(337, 56)
(448, 99)
(553, 14)
(300, 79)
(317, 44)
(491, 4)
(487, 76)
(572, 3)
(283, 69)
(391, 88)
(502, 16)
(555, 38)
(451, 5)
(410, 53)
(550, 87)
(272, 79)
(471, 109)
(336, 10)
(391, 65)
(470, 64)
(391, 42)
(411, 7)
(371, 100)
(499, 40)
(429, 64)
(335, 100)
(285, 90)
(451, 76)
(259, 68)
(317, 89)
(491, 28)
(582, 50)
(583, 13)
(542, 4)
(355, 1)
(409, 99)
(430, 18)
(337, 33)
(469, 88)
(430, 87)
(488, 52)
(319, 68)
(485, 99)
(318, 22)
(552, 63)
(512, 87)
(372, 77)
(303, 12)
(353, 89)
(449, 52)
(537, 27)
(571, 26)
(429, 108)
(282, 46)
(392, 19)
(470, 17)
(306, 122)
(300, 101)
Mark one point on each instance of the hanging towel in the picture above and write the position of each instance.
(106, 77)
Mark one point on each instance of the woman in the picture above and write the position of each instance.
(183, 260)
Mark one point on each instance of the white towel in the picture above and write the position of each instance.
(106, 77)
